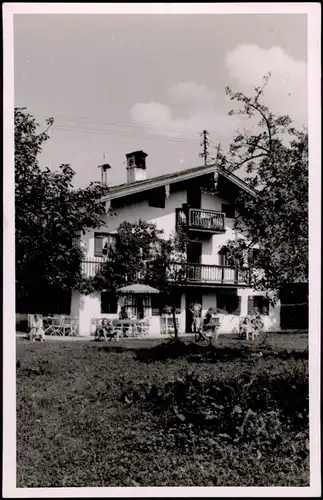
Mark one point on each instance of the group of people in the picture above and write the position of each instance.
(251, 324)
(209, 323)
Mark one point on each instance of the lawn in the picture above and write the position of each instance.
(142, 413)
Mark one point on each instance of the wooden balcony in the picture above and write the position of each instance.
(199, 274)
(208, 221)
(202, 274)
(89, 268)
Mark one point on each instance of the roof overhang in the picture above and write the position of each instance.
(138, 187)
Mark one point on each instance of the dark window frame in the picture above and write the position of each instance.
(101, 235)
(228, 210)
(108, 302)
(229, 304)
(157, 197)
(260, 302)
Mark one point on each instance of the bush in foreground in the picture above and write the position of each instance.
(87, 417)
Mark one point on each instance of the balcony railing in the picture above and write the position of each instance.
(209, 274)
(198, 219)
(89, 268)
(186, 273)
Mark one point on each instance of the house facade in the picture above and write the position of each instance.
(200, 201)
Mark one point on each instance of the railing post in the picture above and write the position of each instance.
(222, 278)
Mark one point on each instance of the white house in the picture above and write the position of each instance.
(203, 194)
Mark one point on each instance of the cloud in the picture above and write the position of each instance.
(286, 91)
(206, 109)
(151, 113)
(192, 91)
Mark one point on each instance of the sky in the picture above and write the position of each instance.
(120, 83)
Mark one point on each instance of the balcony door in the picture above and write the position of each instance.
(194, 195)
(194, 252)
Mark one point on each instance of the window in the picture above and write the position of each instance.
(76, 241)
(137, 305)
(102, 243)
(258, 302)
(159, 302)
(254, 254)
(228, 210)
(223, 259)
(109, 302)
(228, 304)
(156, 197)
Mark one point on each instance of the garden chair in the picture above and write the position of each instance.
(143, 329)
(70, 327)
(55, 326)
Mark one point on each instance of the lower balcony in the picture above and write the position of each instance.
(89, 268)
(204, 274)
(199, 274)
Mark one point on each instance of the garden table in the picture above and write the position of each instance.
(131, 327)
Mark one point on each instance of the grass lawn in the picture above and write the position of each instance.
(135, 414)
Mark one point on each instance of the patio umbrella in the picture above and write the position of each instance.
(138, 288)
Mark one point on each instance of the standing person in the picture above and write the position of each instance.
(196, 309)
(37, 329)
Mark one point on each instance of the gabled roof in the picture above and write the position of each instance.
(128, 189)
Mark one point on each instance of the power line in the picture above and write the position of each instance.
(126, 125)
(124, 134)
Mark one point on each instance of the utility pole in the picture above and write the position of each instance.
(205, 142)
(218, 149)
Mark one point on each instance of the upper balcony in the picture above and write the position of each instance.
(206, 221)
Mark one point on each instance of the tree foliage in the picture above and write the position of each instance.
(275, 221)
(142, 254)
(49, 212)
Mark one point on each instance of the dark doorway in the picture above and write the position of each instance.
(294, 307)
(194, 252)
(140, 307)
(191, 297)
(194, 195)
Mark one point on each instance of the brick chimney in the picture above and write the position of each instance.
(136, 166)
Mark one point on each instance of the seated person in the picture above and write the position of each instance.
(37, 329)
(210, 321)
(124, 315)
(104, 329)
(207, 319)
(257, 321)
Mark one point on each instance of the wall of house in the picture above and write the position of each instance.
(230, 322)
(88, 307)
(212, 244)
(164, 218)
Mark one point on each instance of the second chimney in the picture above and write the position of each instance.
(136, 166)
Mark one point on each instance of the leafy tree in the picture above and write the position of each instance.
(141, 254)
(49, 213)
(275, 221)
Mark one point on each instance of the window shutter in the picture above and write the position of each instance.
(237, 310)
(98, 245)
(250, 304)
